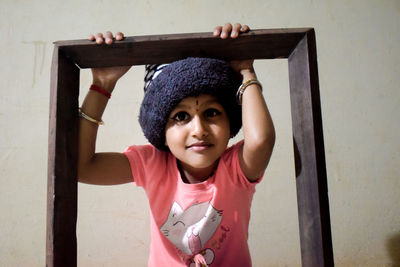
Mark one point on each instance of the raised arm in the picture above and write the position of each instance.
(258, 129)
(100, 168)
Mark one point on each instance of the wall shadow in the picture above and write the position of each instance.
(393, 248)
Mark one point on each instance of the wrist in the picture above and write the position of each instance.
(100, 90)
(105, 84)
(243, 87)
(248, 74)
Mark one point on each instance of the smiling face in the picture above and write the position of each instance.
(197, 133)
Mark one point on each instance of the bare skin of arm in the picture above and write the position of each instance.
(114, 168)
(258, 129)
(100, 168)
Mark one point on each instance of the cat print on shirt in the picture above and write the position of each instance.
(190, 229)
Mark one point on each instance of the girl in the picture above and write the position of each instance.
(199, 190)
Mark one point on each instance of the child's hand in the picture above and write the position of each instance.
(106, 78)
(229, 30)
(244, 67)
(107, 37)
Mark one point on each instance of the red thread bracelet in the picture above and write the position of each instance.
(100, 90)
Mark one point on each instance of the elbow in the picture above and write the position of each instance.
(271, 142)
(268, 142)
(82, 171)
(264, 141)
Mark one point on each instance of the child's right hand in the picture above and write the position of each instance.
(106, 78)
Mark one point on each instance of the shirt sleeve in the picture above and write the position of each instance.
(231, 160)
(145, 161)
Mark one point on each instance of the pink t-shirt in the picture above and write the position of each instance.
(208, 220)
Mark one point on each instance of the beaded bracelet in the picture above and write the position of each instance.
(100, 90)
(243, 87)
(88, 118)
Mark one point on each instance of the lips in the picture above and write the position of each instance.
(199, 146)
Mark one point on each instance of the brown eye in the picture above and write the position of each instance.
(211, 112)
(181, 116)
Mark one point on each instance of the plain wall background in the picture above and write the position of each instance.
(359, 60)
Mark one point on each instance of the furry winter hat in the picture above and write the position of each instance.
(186, 78)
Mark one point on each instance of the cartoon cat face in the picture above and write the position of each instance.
(189, 230)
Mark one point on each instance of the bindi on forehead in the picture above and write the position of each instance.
(197, 102)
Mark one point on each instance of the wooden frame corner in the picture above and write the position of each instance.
(297, 45)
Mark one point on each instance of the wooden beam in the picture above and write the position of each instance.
(312, 192)
(261, 44)
(298, 45)
(62, 169)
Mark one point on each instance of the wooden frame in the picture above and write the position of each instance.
(297, 45)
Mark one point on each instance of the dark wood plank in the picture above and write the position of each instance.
(62, 186)
(261, 44)
(311, 180)
(296, 44)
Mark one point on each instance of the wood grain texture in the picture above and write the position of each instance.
(298, 45)
(312, 193)
(261, 44)
(62, 184)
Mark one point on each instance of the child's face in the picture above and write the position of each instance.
(197, 131)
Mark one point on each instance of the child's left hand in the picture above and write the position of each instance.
(244, 67)
(229, 30)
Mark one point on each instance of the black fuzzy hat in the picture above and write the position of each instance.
(186, 78)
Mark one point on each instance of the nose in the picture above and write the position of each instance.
(199, 127)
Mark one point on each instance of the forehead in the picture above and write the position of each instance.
(198, 101)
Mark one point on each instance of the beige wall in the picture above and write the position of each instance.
(358, 56)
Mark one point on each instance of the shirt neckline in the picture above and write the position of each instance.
(192, 187)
